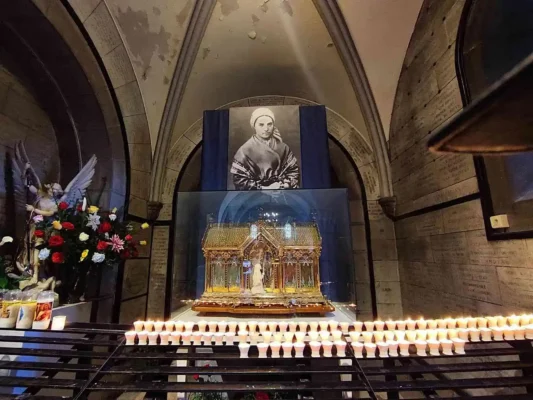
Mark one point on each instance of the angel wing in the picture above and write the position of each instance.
(75, 190)
(23, 172)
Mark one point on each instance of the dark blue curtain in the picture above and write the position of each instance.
(314, 148)
(215, 150)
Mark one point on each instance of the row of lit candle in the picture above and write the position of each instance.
(390, 348)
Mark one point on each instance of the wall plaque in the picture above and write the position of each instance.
(158, 272)
(463, 217)
(450, 248)
(516, 285)
(503, 252)
(135, 280)
(477, 282)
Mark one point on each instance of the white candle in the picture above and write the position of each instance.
(508, 333)
(442, 334)
(524, 320)
(300, 336)
(149, 325)
(273, 326)
(189, 326)
(393, 348)
(481, 322)
(336, 335)
(370, 350)
(432, 334)
(497, 332)
(179, 326)
(152, 338)
(379, 325)
(252, 325)
(369, 325)
(232, 326)
(262, 348)
(287, 349)
(292, 326)
(410, 335)
(283, 326)
(513, 320)
(262, 326)
(142, 335)
(367, 336)
(400, 335)
(278, 336)
(333, 325)
(452, 333)
(462, 333)
(434, 346)
(389, 335)
(197, 338)
(254, 337)
(313, 336)
(354, 336)
(327, 346)
(391, 325)
(462, 323)
(492, 322)
(411, 325)
(441, 323)
(158, 326)
(471, 322)
(299, 349)
(267, 336)
(222, 326)
(58, 322)
(357, 349)
(432, 324)
(164, 335)
(130, 338)
(446, 347)
(202, 325)
(358, 326)
(421, 323)
(324, 335)
(302, 325)
(175, 338)
(379, 336)
(219, 338)
(243, 336)
(451, 323)
(459, 346)
(288, 336)
(421, 346)
(315, 348)
(341, 348)
(169, 326)
(243, 350)
(529, 331)
(474, 334)
(323, 325)
(422, 334)
(486, 334)
(313, 326)
(229, 338)
(242, 325)
(274, 348)
(345, 326)
(404, 347)
(400, 325)
(207, 338)
(212, 325)
(502, 321)
(519, 333)
(186, 338)
(137, 324)
(383, 349)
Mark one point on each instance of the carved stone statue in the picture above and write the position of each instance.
(41, 200)
(257, 279)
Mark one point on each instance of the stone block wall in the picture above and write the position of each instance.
(446, 264)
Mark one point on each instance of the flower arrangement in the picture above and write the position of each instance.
(80, 237)
(205, 395)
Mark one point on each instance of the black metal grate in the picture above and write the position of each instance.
(96, 360)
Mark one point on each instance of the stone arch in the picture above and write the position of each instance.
(368, 221)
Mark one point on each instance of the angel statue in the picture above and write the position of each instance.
(42, 200)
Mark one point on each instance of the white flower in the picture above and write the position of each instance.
(98, 258)
(83, 237)
(6, 239)
(106, 235)
(112, 217)
(38, 218)
(93, 221)
(44, 254)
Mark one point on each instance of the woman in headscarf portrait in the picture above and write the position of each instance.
(264, 161)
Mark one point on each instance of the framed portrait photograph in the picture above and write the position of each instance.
(264, 148)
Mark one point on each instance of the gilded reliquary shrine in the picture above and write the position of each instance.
(262, 268)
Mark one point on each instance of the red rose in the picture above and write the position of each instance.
(63, 205)
(38, 233)
(128, 237)
(104, 227)
(58, 258)
(102, 245)
(68, 226)
(196, 377)
(80, 207)
(261, 396)
(55, 241)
